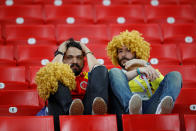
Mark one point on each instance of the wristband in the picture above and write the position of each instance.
(89, 52)
(147, 64)
(58, 52)
(138, 71)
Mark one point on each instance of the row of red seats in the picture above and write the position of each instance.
(28, 55)
(21, 78)
(101, 34)
(149, 122)
(87, 14)
(104, 2)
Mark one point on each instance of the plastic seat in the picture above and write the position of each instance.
(119, 14)
(107, 2)
(69, 14)
(187, 2)
(179, 33)
(150, 32)
(21, 102)
(21, 14)
(88, 123)
(185, 103)
(31, 77)
(99, 51)
(151, 122)
(188, 54)
(13, 78)
(169, 14)
(190, 121)
(61, 2)
(30, 34)
(7, 55)
(164, 54)
(19, 2)
(34, 55)
(89, 34)
(24, 123)
(153, 2)
(1, 39)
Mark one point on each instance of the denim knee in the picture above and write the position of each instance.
(114, 71)
(175, 79)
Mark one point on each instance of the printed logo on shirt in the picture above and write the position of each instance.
(83, 85)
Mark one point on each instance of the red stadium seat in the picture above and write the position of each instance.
(85, 33)
(151, 122)
(164, 55)
(1, 38)
(154, 2)
(169, 14)
(21, 14)
(30, 34)
(7, 55)
(24, 123)
(19, 2)
(179, 33)
(34, 55)
(188, 54)
(99, 51)
(61, 2)
(150, 32)
(21, 102)
(31, 75)
(190, 121)
(188, 73)
(13, 78)
(107, 2)
(88, 123)
(119, 14)
(69, 14)
(187, 2)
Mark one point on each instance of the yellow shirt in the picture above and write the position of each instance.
(136, 88)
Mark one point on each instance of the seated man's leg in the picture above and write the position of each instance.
(97, 89)
(166, 94)
(120, 89)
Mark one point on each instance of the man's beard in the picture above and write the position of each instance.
(76, 71)
(120, 62)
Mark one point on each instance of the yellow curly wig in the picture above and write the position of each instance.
(133, 41)
(48, 76)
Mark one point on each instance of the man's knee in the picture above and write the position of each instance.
(175, 76)
(114, 71)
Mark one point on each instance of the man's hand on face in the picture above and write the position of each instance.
(150, 72)
(132, 62)
(62, 48)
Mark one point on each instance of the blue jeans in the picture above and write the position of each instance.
(121, 93)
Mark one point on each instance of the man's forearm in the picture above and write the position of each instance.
(92, 61)
(58, 58)
(131, 74)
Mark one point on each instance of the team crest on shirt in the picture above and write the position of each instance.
(83, 85)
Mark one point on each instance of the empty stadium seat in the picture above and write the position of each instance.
(69, 14)
(154, 2)
(13, 78)
(1, 39)
(188, 73)
(99, 51)
(19, 2)
(28, 55)
(188, 54)
(164, 55)
(24, 123)
(88, 34)
(185, 103)
(151, 122)
(119, 14)
(190, 121)
(7, 55)
(30, 34)
(169, 14)
(150, 32)
(107, 2)
(88, 123)
(61, 2)
(187, 2)
(31, 75)
(179, 33)
(20, 102)
(21, 14)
